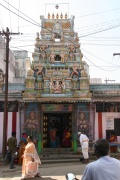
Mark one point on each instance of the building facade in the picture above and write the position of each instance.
(57, 94)
(22, 65)
(2, 60)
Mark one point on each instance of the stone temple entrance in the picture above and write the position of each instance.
(57, 130)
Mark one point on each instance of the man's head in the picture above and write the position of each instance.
(79, 133)
(13, 133)
(101, 148)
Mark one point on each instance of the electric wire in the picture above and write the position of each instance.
(99, 66)
(97, 57)
(22, 13)
(29, 21)
(48, 30)
(98, 13)
(9, 16)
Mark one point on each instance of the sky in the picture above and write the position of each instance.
(96, 21)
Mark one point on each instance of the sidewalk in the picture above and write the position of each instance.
(66, 158)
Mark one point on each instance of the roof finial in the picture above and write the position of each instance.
(65, 15)
(61, 16)
(48, 15)
(57, 16)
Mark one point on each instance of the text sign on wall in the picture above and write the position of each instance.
(110, 124)
(57, 107)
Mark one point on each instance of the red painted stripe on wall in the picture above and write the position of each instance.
(100, 134)
(14, 117)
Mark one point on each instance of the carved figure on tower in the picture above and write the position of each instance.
(71, 51)
(57, 87)
(51, 85)
(76, 37)
(61, 37)
(62, 55)
(52, 57)
(38, 69)
(76, 69)
(37, 36)
(63, 85)
(43, 51)
(53, 37)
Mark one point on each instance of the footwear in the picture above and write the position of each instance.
(37, 175)
(85, 161)
(81, 159)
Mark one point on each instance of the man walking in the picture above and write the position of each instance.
(105, 167)
(11, 143)
(84, 141)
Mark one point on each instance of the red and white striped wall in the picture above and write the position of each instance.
(101, 124)
(13, 124)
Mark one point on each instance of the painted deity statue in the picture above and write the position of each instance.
(76, 68)
(57, 87)
(30, 125)
(39, 69)
(71, 52)
(62, 55)
(52, 57)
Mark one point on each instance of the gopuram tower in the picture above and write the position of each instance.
(57, 70)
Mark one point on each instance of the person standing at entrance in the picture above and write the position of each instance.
(66, 137)
(52, 132)
(105, 167)
(84, 141)
(12, 144)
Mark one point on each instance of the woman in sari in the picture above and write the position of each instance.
(21, 151)
(113, 139)
(31, 161)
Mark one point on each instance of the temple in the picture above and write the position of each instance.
(57, 96)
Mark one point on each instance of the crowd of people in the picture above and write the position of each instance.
(24, 154)
(28, 157)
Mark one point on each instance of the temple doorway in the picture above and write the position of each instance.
(57, 130)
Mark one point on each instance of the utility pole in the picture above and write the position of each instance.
(6, 34)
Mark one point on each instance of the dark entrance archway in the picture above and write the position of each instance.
(55, 126)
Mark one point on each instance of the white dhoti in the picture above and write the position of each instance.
(85, 149)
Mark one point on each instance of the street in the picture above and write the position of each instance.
(47, 171)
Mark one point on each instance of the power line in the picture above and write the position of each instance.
(99, 66)
(9, 16)
(50, 31)
(98, 13)
(97, 57)
(20, 16)
(21, 12)
(100, 44)
(100, 31)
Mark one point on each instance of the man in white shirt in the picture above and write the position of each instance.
(84, 141)
(105, 167)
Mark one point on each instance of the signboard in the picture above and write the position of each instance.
(57, 107)
(110, 124)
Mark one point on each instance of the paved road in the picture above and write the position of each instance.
(47, 171)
